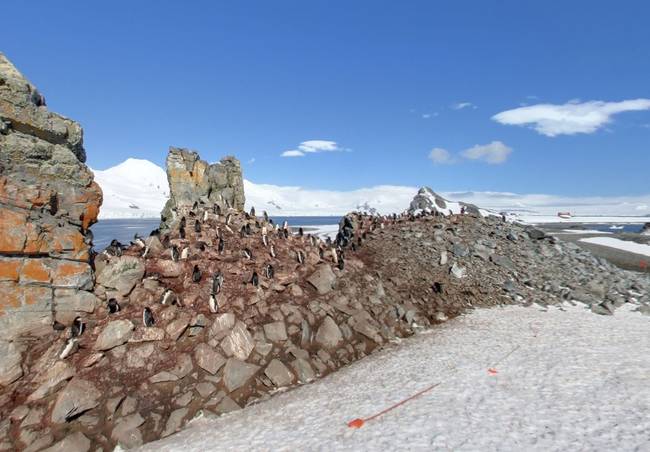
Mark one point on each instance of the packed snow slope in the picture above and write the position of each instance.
(560, 383)
(133, 189)
(138, 188)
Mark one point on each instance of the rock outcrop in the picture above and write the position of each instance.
(428, 201)
(48, 200)
(192, 180)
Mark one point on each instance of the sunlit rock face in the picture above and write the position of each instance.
(48, 200)
(192, 180)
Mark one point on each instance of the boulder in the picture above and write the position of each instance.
(237, 373)
(276, 331)
(208, 359)
(75, 399)
(10, 363)
(322, 279)
(74, 442)
(59, 372)
(174, 421)
(116, 332)
(126, 432)
(279, 374)
(239, 342)
(122, 274)
(329, 334)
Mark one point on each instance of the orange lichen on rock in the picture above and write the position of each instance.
(10, 269)
(35, 271)
(12, 230)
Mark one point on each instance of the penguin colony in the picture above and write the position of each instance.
(259, 244)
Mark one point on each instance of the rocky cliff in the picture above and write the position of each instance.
(192, 180)
(47, 202)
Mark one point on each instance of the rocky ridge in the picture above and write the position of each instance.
(48, 200)
(222, 308)
(192, 180)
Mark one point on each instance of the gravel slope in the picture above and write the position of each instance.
(572, 380)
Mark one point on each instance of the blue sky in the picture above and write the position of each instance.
(256, 79)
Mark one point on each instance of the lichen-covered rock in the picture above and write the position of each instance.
(122, 274)
(48, 200)
(194, 180)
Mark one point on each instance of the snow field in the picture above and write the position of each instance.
(573, 380)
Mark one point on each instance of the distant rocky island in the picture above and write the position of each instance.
(220, 307)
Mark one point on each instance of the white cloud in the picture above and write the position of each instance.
(440, 156)
(293, 153)
(492, 153)
(570, 118)
(251, 160)
(313, 146)
(426, 115)
(461, 105)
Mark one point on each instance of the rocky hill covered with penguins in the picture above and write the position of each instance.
(220, 308)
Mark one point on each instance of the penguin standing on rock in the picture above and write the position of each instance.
(255, 280)
(253, 211)
(71, 346)
(138, 241)
(216, 209)
(205, 216)
(217, 282)
(228, 217)
(248, 254)
(174, 252)
(185, 253)
(266, 216)
(78, 327)
(268, 271)
(221, 246)
(300, 257)
(181, 233)
(196, 274)
(242, 232)
(272, 251)
(147, 317)
(197, 226)
(169, 297)
(113, 306)
(300, 232)
(213, 305)
(182, 223)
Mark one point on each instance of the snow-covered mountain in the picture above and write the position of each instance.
(133, 189)
(139, 189)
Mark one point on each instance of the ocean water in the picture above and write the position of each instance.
(124, 230)
(614, 228)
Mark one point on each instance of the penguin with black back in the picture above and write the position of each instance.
(196, 274)
(113, 306)
(147, 317)
(78, 327)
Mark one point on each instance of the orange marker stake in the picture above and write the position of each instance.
(358, 423)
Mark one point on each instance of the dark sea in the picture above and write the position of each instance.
(124, 230)
(613, 228)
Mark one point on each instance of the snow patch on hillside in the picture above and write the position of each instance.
(138, 188)
(559, 383)
(133, 189)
